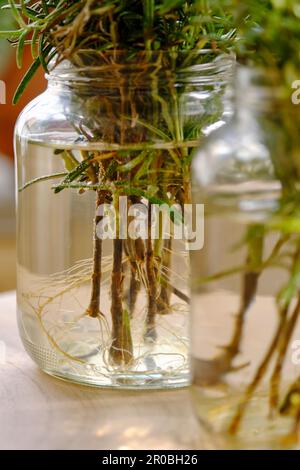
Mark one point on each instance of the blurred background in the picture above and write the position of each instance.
(10, 76)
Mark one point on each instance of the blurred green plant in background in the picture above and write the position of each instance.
(269, 34)
(268, 45)
(6, 22)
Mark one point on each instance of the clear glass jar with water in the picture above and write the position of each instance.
(95, 304)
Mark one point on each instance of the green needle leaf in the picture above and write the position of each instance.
(11, 34)
(28, 76)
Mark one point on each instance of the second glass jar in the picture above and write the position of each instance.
(245, 300)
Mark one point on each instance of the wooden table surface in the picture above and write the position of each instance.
(40, 412)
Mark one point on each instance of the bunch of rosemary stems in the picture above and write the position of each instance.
(157, 37)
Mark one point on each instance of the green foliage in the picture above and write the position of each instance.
(66, 28)
(269, 33)
(89, 32)
(6, 22)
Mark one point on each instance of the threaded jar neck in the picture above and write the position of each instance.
(143, 70)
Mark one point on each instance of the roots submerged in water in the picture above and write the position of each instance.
(287, 322)
(121, 350)
(147, 270)
(212, 372)
(150, 275)
(152, 286)
(56, 300)
(93, 309)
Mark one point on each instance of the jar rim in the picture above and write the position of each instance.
(200, 65)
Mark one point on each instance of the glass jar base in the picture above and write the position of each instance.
(96, 376)
(258, 430)
(126, 381)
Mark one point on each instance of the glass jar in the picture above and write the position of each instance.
(245, 282)
(103, 298)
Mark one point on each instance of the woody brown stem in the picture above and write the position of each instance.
(284, 344)
(163, 304)
(121, 350)
(135, 251)
(134, 288)
(151, 285)
(291, 407)
(234, 426)
(136, 258)
(93, 309)
(249, 289)
(296, 428)
(262, 369)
